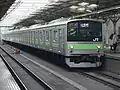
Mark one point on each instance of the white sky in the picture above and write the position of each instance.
(26, 8)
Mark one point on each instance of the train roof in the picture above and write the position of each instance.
(63, 22)
(54, 24)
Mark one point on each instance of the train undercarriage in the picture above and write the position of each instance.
(84, 61)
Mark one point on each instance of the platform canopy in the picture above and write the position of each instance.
(55, 9)
(4, 6)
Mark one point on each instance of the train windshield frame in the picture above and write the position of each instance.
(84, 30)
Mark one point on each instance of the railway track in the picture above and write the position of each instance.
(107, 80)
(64, 79)
(17, 79)
(38, 83)
(110, 75)
(104, 78)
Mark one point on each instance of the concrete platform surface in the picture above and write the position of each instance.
(7, 82)
(113, 55)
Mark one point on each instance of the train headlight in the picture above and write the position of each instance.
(109, 47)
(71, 46)
(105, 47)
(98, 47)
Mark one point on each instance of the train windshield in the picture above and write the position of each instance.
(84, 31)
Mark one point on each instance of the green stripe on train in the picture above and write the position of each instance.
(41, 43)
(47, 43)
(55, 45)
(85, 46)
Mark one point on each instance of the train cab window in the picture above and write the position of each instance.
(55, 34)
(84, 30)
(72, 29)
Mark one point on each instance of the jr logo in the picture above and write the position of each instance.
(96, 39)
(84, 25)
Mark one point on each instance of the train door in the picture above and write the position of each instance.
(55, 41)
(43, 39)
(36, 38)
(61, 38)
(47, 41)
(30, 37)
(40, 38)
(25, 37)
(21, 37)
(50, 39)
(34, 43)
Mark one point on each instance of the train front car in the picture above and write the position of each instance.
(84, 46)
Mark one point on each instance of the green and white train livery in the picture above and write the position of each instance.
(80, 42)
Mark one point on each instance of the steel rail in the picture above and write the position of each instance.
(15, 76)
(109, 76)
(101, 79)
(34, 76)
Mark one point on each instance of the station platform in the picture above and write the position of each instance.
(113, 55)
(7, 82)
(112, 62)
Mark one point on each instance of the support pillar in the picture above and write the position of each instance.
(114, 19)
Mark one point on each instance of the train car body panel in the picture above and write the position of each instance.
(79, 41)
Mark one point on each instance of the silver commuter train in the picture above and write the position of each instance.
(79, 41)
